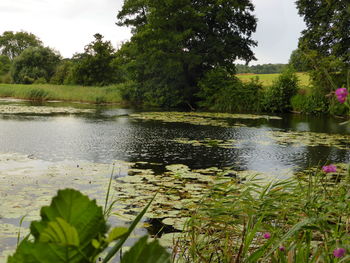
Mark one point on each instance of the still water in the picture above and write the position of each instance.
(110, 134)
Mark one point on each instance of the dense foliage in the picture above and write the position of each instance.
(278, 97)
(13, 44)
(175, 43)
(34, 64)
(299, 61)
(327, 27)
(5, 64)
(95, 65)
(325, 42)
(260, 69)
(220, 91)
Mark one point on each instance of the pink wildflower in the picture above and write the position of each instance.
(329, 168)
(341, 94)
(339, 252)
(282, 248)
(267, 235)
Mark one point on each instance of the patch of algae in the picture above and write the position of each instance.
(201, 118)
(27, 184)
(310, 139)
(207, 142)
(178, 190)
(41, 110)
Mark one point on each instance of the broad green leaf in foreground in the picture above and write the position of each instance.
(146, 253)
(65, 232)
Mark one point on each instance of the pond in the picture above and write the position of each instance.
(42, 144)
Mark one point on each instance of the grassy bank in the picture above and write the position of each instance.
(267, 79)
(42, 92)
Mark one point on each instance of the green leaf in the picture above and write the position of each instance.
(61, 233)
(29, 252)
(116, 233)
(65, 231)
(146, 253)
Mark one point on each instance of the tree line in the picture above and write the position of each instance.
(261, 69)
(24, 59)
(180, 50)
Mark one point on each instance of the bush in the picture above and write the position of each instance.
(34, 63)
(278, 97)
(40, 81)
(6, 78)
(37, 94)
(220, 91)
(63, 73)
(314, 103)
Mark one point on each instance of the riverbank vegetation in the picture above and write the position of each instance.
(303, 219)
(44, 92)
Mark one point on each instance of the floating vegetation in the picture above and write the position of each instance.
(201, 118)
(26, 184)
(207, 142)
(42, 110)
(310, 139)
(179, 189)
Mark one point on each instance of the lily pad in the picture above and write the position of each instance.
(42, 110)
(200, 118)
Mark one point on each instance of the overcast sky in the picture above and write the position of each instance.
(68, 25)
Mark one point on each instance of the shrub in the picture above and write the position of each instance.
(6, 78)
(34, 63)
(220, 91)
(314, 103)
(40, 80)
(277, 97)
(37, 94)
(63, 73)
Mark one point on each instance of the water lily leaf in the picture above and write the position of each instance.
(146, 253)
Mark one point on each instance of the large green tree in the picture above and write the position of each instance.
(95, 65)
(327, 27)
(13, 44)
(299, 61)
(175, 42)
(5, 64)
(34, 63)
(325, 43)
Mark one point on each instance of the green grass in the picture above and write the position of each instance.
(42, 92)
(306, 217)
(267, 79)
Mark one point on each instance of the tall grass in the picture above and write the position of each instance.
(108, 94)
(298, 220)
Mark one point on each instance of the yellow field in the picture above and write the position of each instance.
(267, 79)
